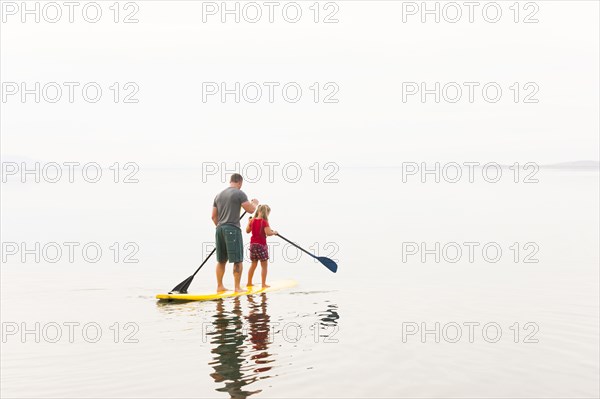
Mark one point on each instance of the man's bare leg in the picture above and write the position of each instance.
(220, 273)
(251, 271)
(237, 276)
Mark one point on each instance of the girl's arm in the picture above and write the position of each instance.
(269, 231)
(249, 227)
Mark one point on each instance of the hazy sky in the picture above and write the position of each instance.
(363, 61)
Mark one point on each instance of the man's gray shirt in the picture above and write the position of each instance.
(229, 203)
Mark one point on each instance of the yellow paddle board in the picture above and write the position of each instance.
(255, 289)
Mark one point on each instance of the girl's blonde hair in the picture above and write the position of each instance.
(262, 212)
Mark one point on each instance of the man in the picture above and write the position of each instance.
(226, 216)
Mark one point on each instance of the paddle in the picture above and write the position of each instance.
(182, 287)
(328, 263)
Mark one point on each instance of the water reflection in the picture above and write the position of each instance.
(241, 345)
(241, 338)
(228, 337)
(259, 326)
(330, 316)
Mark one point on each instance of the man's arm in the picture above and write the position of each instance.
(250, 206)
(215, 217)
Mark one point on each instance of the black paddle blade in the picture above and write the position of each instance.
(182, 287)
(328, 263)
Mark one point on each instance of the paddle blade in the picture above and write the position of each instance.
(182, 287)
(328, 263)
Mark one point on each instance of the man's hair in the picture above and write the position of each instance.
(236, 178)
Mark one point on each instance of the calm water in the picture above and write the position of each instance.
(333, 335)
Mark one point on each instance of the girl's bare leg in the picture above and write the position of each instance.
(251, 271)
(264, 264)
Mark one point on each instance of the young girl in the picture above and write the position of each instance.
(259, 226)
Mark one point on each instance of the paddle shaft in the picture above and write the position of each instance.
(325, 261)
(211, 254)
(297, 246)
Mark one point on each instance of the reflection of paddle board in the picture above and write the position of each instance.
(256, 289)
